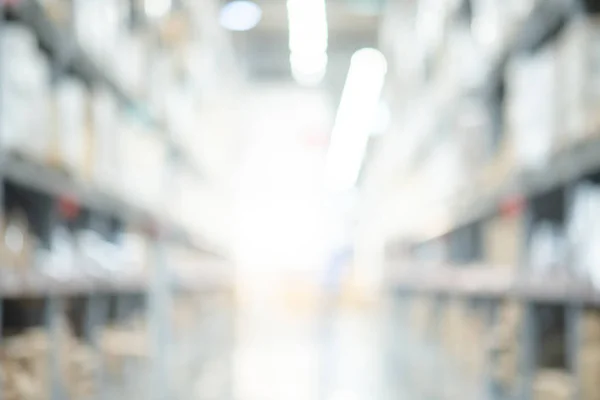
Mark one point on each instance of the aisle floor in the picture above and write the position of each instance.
(344, 355)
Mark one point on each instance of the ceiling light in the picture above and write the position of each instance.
(157, 8)
(240, 15)
(308, 69)
(354, 120)
(307, 40)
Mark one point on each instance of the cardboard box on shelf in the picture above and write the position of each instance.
(135, 250)
(579, 78)
(25, 367)
(572, 74)
(17, 243)
(104, 148)
(503, 238)
(452, 327)
(590, 327)
(25, 94)
(589, 367)
(119, 343)
(504, 344)
(59, 11)
(99, 27)
(421, 315)
(499, 169)
(72, 136)
(476, 351)
(591, 78)
(144, 164)
(131, 69)
(175, 29)
(553, 385)
(532, 112)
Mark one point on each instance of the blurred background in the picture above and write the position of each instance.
(300, 199)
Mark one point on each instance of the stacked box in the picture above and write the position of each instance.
(72, 134)
(503, 241)
(589, 355)
(17, 243)
(474, 336)
(24, 365)
(551, 384)
(452, 326)
(505, 345)
(421, 316)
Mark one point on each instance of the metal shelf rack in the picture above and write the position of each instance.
(155, 288)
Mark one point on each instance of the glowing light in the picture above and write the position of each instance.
(308, 40)
(157, 8)
(354, 120)
(308, 69)
(240, 15)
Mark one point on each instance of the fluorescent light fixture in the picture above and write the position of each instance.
(308, 40)
(308, 69)
(240, 15)
(354, 120)
(157, 8)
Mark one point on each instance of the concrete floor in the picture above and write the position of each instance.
(341, 354)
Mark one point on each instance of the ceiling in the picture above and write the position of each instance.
(263, 52)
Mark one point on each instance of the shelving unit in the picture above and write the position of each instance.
(531, 312)
(87, 305)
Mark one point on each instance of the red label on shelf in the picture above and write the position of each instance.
(512, 206)
(68, 207)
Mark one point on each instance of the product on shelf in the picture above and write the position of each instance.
(24, 94)
(135, 252)
(59, 260)
(95, 254)
(73, 131)
(588, 27)
(25, 365)
(532, 113)
(588, 355)
(475, 334)
(105, 151)
(503, 240)
(59, 11)
(553, 385)
(452, 322)
(590, 326)
(120, 343)
(548, 250)
(572, 81)
(504, 346)
(144, 164)
(130, 70)
(99, 25)
(422, 316)
(17, 246)
(583, 233)
(160, 79)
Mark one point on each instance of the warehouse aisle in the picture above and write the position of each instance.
(345, 355)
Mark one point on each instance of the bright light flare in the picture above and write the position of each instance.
(354, 120)
(308, 40)
(157, 8)
(240, 15)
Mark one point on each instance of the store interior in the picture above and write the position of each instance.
(299, 199)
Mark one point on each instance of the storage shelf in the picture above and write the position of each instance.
(30, 283)
(499, 283)
(56, 183)
(64, 49)
(563, 167)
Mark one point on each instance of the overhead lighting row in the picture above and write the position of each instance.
(308, 35)
(355, 117)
